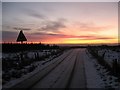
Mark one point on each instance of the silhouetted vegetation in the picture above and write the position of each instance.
(21, 58)
(9, 47)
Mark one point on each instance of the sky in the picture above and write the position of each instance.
(61, 22)
(60, 0)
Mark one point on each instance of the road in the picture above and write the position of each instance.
(65, 71)
(69, 73)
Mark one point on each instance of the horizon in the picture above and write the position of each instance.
(64, 44)
(61, 23)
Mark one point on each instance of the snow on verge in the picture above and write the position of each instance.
(93, 79)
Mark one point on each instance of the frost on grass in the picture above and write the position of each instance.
(18, 69)
(92, 77)
(100, 73)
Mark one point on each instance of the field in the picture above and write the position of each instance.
(62, 66)
(108, 61)
(19, 60)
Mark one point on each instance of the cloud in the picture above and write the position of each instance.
(35, 14)
(20, 28)
(93, 37)
(6, 27)
(8, 33)
(104, 38)
(92, 27)
(52, 25)
(89, 37)
(9, 36)
(48, 34)
(38, 36)
(46, 23)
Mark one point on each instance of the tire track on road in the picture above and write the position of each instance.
(29, 82)
(53, 76)
(78, 79)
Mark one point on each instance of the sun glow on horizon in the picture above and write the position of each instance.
(61, 23)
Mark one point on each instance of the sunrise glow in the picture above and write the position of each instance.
(61, 23)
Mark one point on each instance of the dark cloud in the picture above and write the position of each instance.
(36, 15)
(89, 37)
(46, 24)
(20, 28)
(47, 34)
(38, 33)
(12, 36)
(52, 25)
(8, 35)
(56, 35)
(94, 38)
(104, 38)
(6, 27)
(15, 28)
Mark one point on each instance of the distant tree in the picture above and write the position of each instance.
(21, 37)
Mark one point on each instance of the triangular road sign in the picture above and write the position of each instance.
(21, 37)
